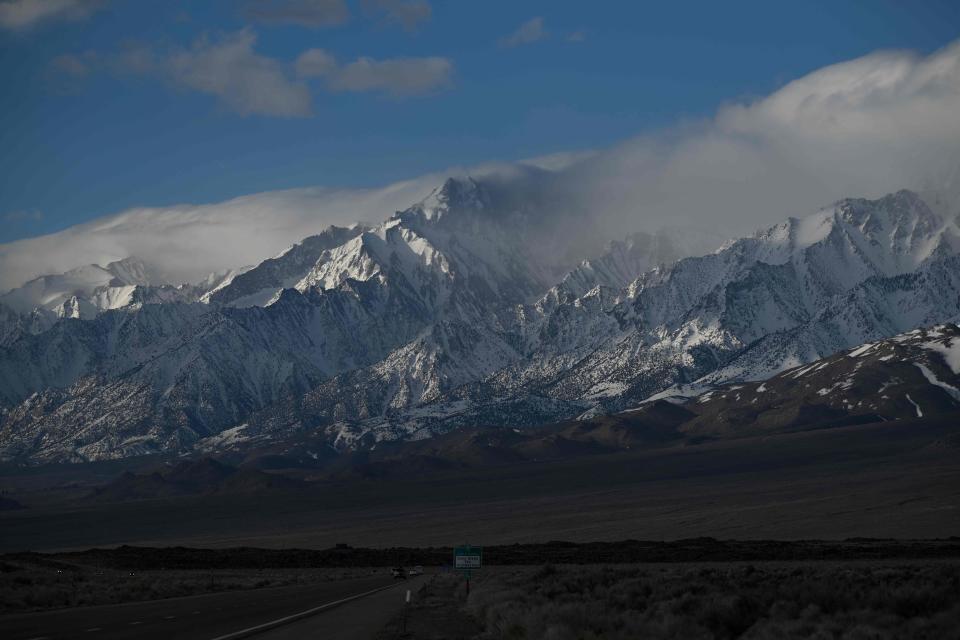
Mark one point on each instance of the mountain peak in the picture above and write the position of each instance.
(899, 208)
(456, 194)
(893, 234)
(444, 316)
(49, 292)
(132, 271)
(262, 284)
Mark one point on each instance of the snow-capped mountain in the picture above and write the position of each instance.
(623, 260)
(190, 370)
(85, 292)
(456, 311)
(82, 292)
(730, 314)
(261, 285)
(911, 375)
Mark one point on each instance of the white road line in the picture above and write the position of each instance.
(92, 629)
(249, 631)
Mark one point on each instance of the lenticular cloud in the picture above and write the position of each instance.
(868, 126)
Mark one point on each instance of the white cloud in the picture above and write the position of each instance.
(247, 82)
(306, 13)
(315, 63)
(865, 127)
(189, 241)
(226, 67)
(25, 14)
(407, 13)
(530, 31)
(396, 76)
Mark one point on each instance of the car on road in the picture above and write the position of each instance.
(399, 573)
(416, 571)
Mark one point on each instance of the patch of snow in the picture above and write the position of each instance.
(802, 371)
(592, 412)
(862, 350)
(226, 438)
(606, 390)
(932, 379)
(915, 406)
(677, 394)
(813, 229)
(950, 352)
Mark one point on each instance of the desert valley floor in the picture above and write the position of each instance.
(881, 480)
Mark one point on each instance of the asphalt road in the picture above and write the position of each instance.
(202, 617)
(359, 619)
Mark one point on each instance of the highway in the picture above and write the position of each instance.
(360, 619)
(218, 615)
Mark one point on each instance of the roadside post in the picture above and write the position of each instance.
(466, 560)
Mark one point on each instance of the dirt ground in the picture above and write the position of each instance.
(831, 484)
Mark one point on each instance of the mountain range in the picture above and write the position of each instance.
(462, 311)
(910, 380)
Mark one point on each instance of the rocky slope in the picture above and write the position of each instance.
(456, 312)
(913, 377)
(795, 292)
(262, 284)
(86, 292)
(160, 376)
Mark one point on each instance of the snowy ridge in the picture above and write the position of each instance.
(88, 291)
(456, 312)
(261, 285)
(906, 376)
(756, 307)
(106, 287)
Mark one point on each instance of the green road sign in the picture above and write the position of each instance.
(467, 557)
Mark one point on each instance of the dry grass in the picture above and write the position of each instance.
(436, 613)
(39, 583)
(809, 600)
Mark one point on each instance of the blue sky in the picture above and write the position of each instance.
(113, 104)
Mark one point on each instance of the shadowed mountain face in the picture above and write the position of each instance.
(833, 448)
(911, 377)
(456, 313)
